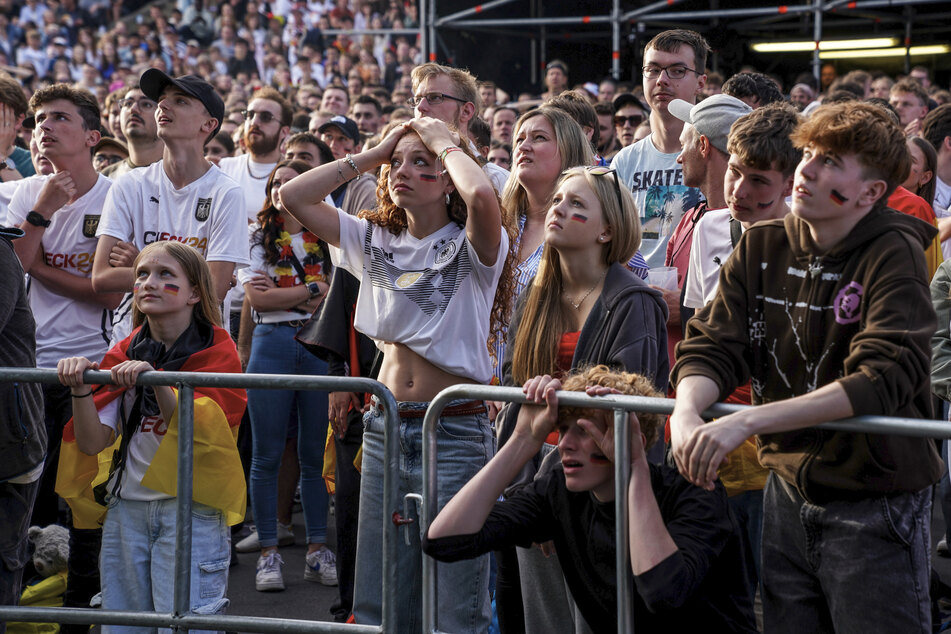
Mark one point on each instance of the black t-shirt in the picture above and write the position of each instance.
(704, 586)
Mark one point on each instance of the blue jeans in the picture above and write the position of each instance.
(849, 567)
(464, 446)
(274, 351)
(137, 560)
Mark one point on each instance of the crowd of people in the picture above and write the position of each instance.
(224, 190)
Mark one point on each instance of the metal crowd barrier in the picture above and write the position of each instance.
(180, 619)
(621, 404)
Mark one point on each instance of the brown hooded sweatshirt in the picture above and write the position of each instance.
(791, 319)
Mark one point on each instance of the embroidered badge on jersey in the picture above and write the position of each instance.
(445, 254)
(203, 209)
(90, 224)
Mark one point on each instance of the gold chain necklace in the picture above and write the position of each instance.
(585, 296)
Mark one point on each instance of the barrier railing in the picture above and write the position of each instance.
(180, 619)
(621, 404)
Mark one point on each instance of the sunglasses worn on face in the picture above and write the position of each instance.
(634, 120)
(263, 115)
(434, 99)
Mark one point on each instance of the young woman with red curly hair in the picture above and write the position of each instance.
(435, 281)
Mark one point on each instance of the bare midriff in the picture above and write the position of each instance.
(411, 377)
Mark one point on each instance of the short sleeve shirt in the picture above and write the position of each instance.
(66, 327)
(656, 180)
(430, 294)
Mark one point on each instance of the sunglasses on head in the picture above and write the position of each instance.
(599, 170)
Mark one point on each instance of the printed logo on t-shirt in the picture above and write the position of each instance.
(90, 224)
(154, 424)
(199, 244)
(431, 290)
(81, 262)
(203, 209)
(406, 279)
(153, 199)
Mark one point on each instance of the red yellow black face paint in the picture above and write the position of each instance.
(431, 178)
(579, 218)
(171, 289)
(838, 198)
(136, 287)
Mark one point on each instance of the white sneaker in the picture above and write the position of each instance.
(942, 548)
(321, 566)
(250, 544)
(268, 577)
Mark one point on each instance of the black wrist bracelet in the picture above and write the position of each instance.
(89, 393)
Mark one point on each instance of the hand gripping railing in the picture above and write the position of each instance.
(180, 619)
(621, 404)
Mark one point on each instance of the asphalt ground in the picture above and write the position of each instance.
(306, 600)
(311, 601)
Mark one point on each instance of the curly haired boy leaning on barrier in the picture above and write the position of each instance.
(685, 545)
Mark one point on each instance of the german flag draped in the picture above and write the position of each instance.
(218, 479)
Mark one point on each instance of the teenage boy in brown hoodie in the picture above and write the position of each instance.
(828, 313)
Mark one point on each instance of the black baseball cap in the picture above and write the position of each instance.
(626, 99)
(153, 82)
(347, 125)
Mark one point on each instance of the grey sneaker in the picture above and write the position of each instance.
(250, 544)
(321, 566)
(269, 577)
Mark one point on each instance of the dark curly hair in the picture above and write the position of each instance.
(270, 229)
(389, 215)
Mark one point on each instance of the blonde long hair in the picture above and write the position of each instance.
(197, 273)
(573, 148)
(544, 319)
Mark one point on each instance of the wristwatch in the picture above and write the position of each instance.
(314, 289)
(35, 219)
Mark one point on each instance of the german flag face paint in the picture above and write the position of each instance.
(838, 198)
(429, 178)
(171, 289)
(136, 287)
(579, 218)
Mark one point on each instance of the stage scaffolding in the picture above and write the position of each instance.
(673, 13)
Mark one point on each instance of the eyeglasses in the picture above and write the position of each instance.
(634, 120)
(144, 104)
(434, 99)
(599, 170)
(676, 71)
(263, 115)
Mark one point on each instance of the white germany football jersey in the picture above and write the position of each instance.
(208, 214)
(66, 327)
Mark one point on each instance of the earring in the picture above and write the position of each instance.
(447, 199)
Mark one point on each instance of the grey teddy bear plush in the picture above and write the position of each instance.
(51, 549)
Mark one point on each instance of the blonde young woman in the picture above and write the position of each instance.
(584, 307)
(545, 143)
(431, 260)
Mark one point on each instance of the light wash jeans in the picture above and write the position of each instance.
(274, 351)
(464, 446)
(137, 560)
(846, 567)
